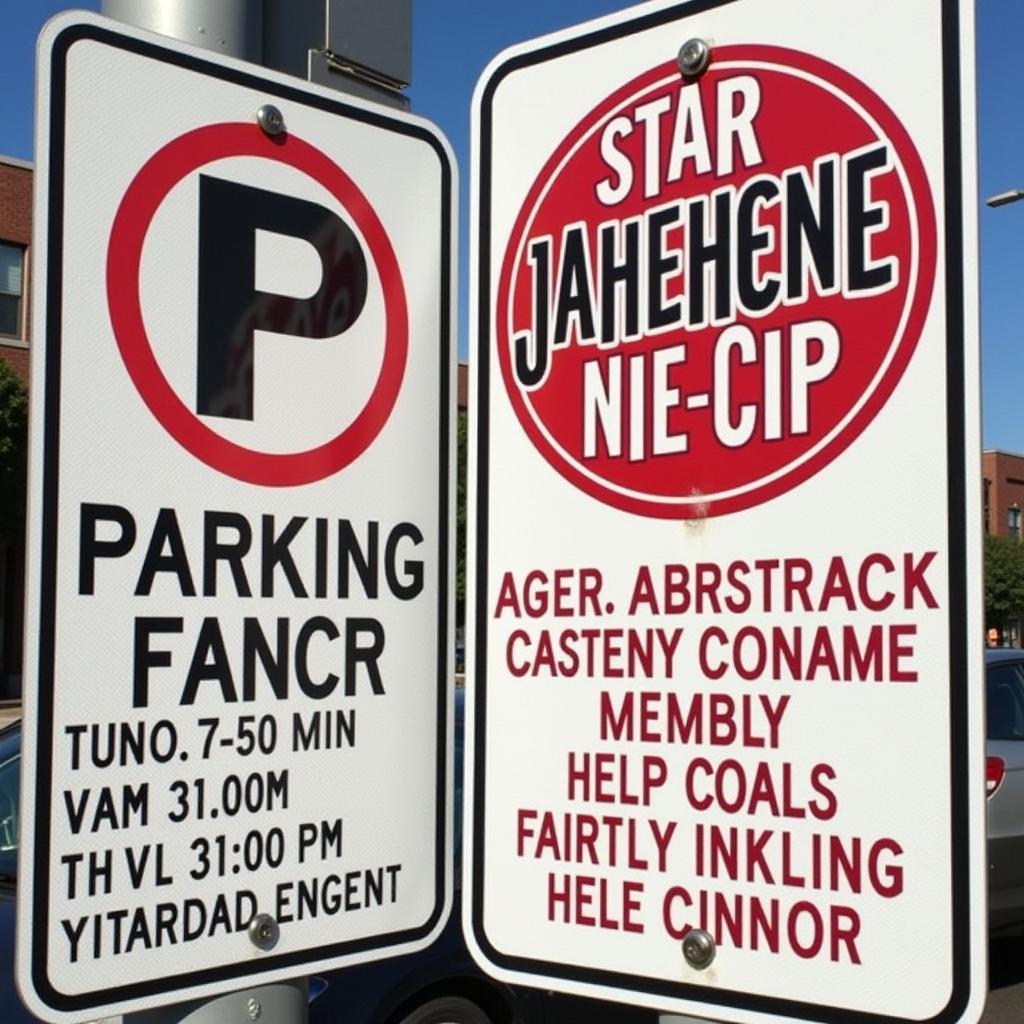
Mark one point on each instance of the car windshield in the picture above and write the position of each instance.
(9, 818)
(1005, 701)
(10, 772)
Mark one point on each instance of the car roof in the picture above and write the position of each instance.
(994, 655)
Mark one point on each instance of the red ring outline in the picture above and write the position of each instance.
(920, 196)
(165, 169)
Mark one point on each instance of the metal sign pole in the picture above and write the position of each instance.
(231, 27)
(285, 1003)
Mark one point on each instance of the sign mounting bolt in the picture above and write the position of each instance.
(699, 948)
(694, 57)
(271, 119)
(264, 932)
(254, 1009)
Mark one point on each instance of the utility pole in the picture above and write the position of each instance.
(362, 47)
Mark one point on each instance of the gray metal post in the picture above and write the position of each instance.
(285, 1003)
(231, 27)
(362, 47)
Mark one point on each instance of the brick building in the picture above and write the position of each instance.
(1003, 495)
(15, 242)
(15, 239)
(1003, 509)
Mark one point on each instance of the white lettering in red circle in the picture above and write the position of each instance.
(713, 287)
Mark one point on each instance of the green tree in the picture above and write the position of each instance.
(13, 454)
(1004, 581)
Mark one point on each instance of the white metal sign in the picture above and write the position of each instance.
(237, 687)
(724, 663)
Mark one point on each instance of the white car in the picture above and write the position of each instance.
(1004, 784)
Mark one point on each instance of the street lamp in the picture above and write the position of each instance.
(1002, 198)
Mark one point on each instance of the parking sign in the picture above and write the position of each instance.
(237, 733)
(724, 663)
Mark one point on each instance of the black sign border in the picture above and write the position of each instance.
(957, 490)
(302, 960)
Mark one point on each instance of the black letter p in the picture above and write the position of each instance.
(230, 308)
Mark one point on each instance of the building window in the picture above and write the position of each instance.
(12, 277)
(1013, 522)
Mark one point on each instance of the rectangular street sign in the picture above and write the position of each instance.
(724, 663)
(237, 755)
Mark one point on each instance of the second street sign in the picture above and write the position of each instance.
(725, 658)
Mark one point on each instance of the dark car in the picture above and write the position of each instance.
(1004, 784)
(11, 1008)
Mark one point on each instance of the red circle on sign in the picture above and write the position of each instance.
(149, 188)
(705, 387)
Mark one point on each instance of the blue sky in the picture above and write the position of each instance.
(453, 40)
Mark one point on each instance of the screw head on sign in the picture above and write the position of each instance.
(264, 932)
(254, 1009)
(694, 57)
(270, 119)
(699, 948)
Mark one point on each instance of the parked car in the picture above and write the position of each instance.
(11, 1008)
(1004, 784)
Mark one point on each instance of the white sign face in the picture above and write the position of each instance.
(724, 668)
(238, 681)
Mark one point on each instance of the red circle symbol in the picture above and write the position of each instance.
(148, 190)
(713, 287)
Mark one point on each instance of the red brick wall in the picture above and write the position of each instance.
(17, 359)
(16, 227)
(15, 203)
(1004, 483)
